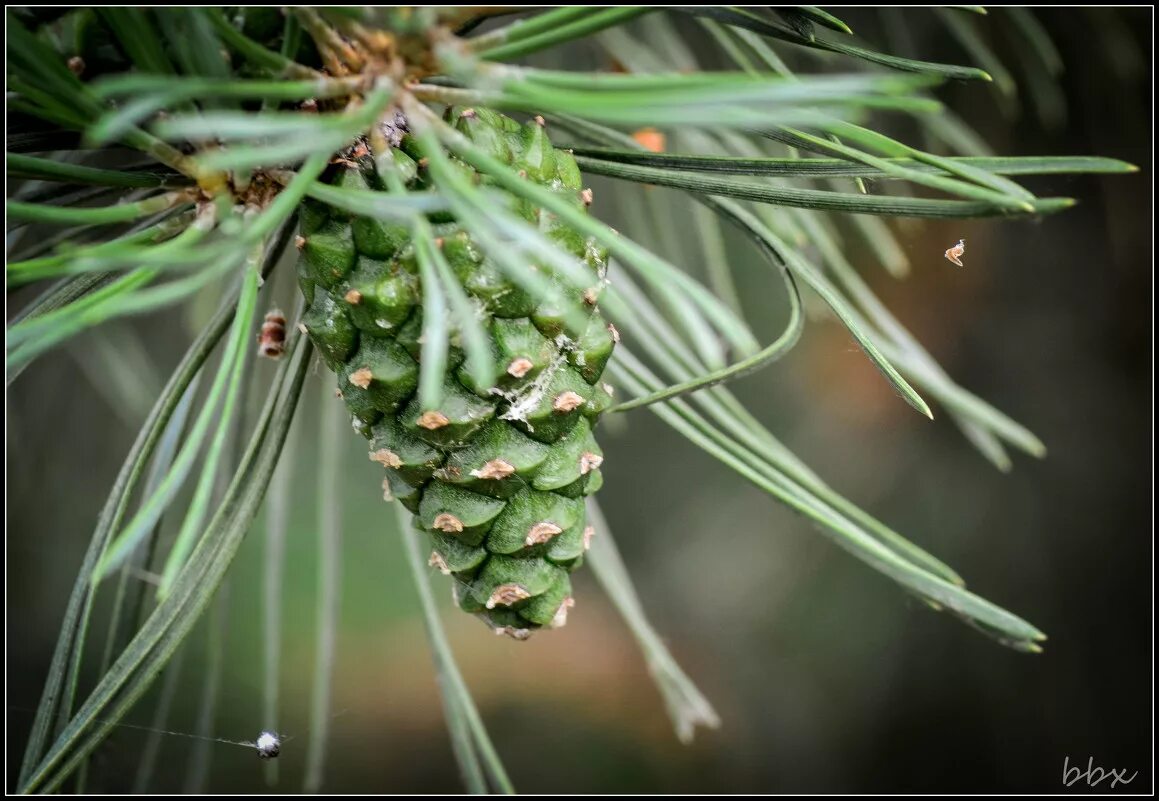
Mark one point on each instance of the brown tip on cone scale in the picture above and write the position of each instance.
(303, 329)
(448, 473)
(615, 334)
(566, 401)
(586, 196)
(507, 594)
(432, 420)
(353, 297)
(361, 377)
(76, 65)
(540, 121)
(608, 388)
(424, 162)
(494, 469)
(512, 632)
(386, 458)
(469, 114)
(387, 495)
(439, 242)
(309, 105)
(589, 462)
(519, 367)
(589, 532)
(559, 619)
(438, 561)
(523, 173)
(448, 524)
(591, 295)
(541, 532)
(299, 242)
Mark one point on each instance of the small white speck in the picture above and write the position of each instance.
(269, 745)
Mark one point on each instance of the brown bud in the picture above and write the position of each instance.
(432, 420)
(361, 377)
(494, 469)
(448, 523)
(519, 367)
(386, 458)
(353, 297)
(272, 339)
(507, 594)
(541, 532)
(589, 462)
(566, 401)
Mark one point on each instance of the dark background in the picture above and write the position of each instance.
(827, 678)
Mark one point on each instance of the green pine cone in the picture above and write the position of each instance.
(496, 475)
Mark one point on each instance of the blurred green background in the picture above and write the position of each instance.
(827, 677)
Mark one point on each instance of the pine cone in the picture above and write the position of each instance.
(496, 475)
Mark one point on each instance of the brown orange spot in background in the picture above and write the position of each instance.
(650, 139)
